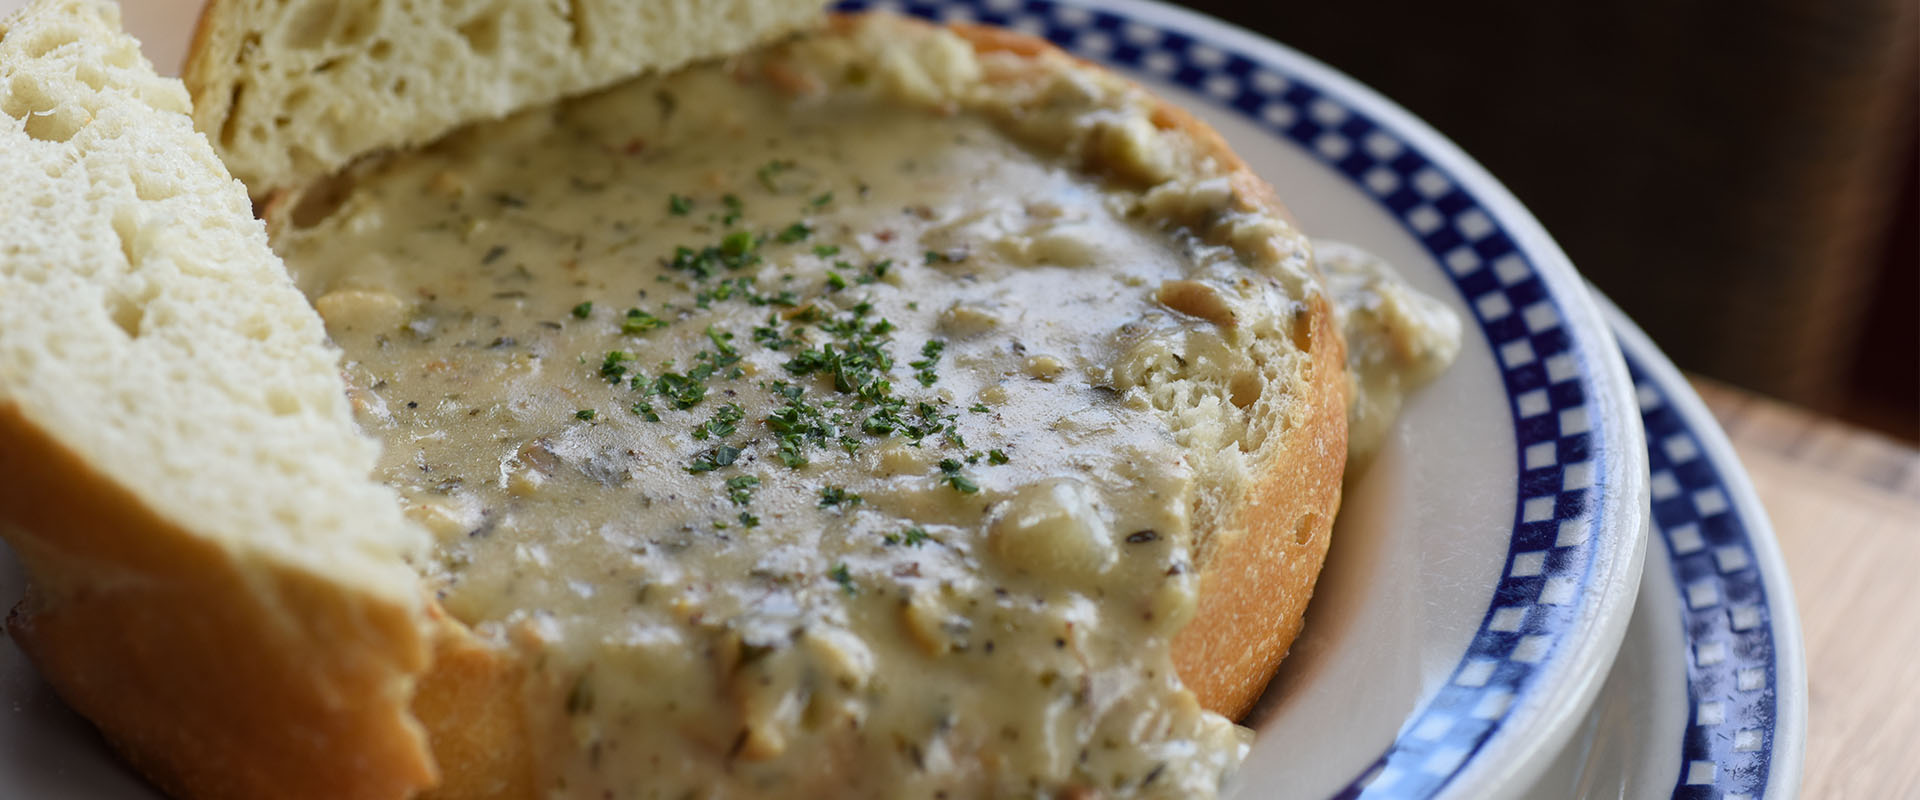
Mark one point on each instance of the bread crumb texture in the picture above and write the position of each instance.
(292, 91)
(144, 320)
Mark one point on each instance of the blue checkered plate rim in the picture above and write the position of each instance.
(1578, 440)
(1745, 673)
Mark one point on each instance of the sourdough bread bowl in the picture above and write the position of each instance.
(1216, 367)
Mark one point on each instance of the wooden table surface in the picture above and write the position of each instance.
(1845, 505)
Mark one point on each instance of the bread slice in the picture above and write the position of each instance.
(292, 91)
(214, 580)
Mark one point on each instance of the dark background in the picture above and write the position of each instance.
(1739, 177)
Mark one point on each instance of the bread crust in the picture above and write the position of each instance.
(217, 676)
(469, 703)
(1259, 572)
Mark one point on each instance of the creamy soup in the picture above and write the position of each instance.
(794, 441)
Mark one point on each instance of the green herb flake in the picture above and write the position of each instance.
(711, 460)
(950, 474)
(586, 414)
(740, 489)
(841, 576)
(831, 496)
(826, 250)
(723, 424)
(678, 205)
(583, 310)
(996, 456)
(722, 341)
(613, 368)
(979, 408)
(686, 391)
(644, 410)
(929, 357)
(796, 232)
(821, 199)
(748, 520)
(638, 321)
(738, 243)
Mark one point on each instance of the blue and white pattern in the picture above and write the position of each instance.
(1548, 566)
(1732, 663)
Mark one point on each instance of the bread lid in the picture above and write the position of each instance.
(290, 92)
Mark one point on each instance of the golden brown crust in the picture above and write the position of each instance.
(216, 678)
(469, 703)
(1254, 585)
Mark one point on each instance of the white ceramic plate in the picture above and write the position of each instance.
(1708, 698)
(1485, 567)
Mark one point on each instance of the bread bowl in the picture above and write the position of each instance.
(1228, 655)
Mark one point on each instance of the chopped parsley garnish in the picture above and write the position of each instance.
(728, 288)
(950, 474)
(929, 357)
(797, 424)
(583, 310)
(740, 489)
(841, 576)
(831, 496)
(724, 422)
(796, 232)
(734, 208)
(821, 199)
(979, 408)
(644, 410)
(769, 335)
(826, 250)
(711, 460)
(614, 367)
(678, 205)
(835, 281)
(748, 520)
(685, 391)
(638, 321)
(996, 456)
(722, 342)
(911, 537)
(875, 271)
(738, 244)
(584, 414)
